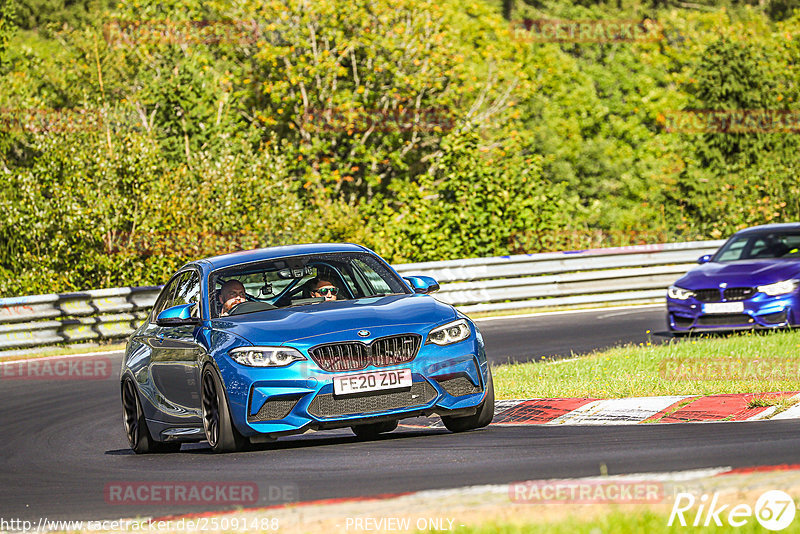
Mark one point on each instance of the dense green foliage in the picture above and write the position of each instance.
(136, 136)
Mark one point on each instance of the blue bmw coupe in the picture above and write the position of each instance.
(752, 281)
(250, 346)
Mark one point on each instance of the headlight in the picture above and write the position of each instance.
(675, 292)
(265, 356)
(449, 333)
(778, 288)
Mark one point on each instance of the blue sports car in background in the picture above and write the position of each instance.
(752, 281)
(250, 346)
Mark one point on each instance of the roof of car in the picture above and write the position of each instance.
(247, 256)
(770, 227)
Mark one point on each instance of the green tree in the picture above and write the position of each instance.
(7, 12)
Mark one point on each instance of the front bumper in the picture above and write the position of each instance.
(448, 380)
(759, 312)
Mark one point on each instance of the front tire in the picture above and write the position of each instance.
(372, 430)
(482, 417)
(217, 423)
(139, 437)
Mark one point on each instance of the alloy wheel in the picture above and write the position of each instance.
(210, 409)
(131, 413)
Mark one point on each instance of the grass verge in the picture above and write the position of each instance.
(616, 521)
(752, 362)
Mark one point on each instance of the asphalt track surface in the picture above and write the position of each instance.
(563, 334)
(62, 443)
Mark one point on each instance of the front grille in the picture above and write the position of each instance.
(739, 293)
(394, 350)
(734, 319)
(708, 295)
(353, 355)
(459, 386)
(341, 356)
(330, 405)
(273, 410)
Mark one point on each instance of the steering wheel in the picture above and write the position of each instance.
(232, 311)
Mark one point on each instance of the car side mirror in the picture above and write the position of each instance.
(704, 259)
(180, 315)
(422, 284)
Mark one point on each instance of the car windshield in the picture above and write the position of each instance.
(299, 281)
(758, 246)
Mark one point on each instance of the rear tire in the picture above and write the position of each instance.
(372, 430)
(139, 438)
(482, 417)
(217, 423)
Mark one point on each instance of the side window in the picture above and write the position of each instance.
(188, 292)
(374, 281)
(166, 297)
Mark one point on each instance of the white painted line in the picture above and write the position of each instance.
(793, 412)
(617, 411)
(617, 314)
(566, 312)
(61, 356)
(669, 476)
(503, 405)
(763, 415)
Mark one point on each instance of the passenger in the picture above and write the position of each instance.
(323, 288)
(231, 294)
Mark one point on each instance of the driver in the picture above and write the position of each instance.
(323, 288)
(231, 294)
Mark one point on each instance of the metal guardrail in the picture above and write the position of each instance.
(70, 317)
(604, 275)
(622, 274)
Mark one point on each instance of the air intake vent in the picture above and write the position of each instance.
(734, 319)
(459, 386)
(329, 405)
(273, 410)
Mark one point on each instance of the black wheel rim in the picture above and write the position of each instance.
(210, 409)
(130, 410)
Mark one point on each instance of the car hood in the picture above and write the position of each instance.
(740, 273)
(335, 319)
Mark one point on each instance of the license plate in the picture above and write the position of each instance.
(374, 381)
(723, 307)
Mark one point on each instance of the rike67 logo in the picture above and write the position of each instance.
(774, 510)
